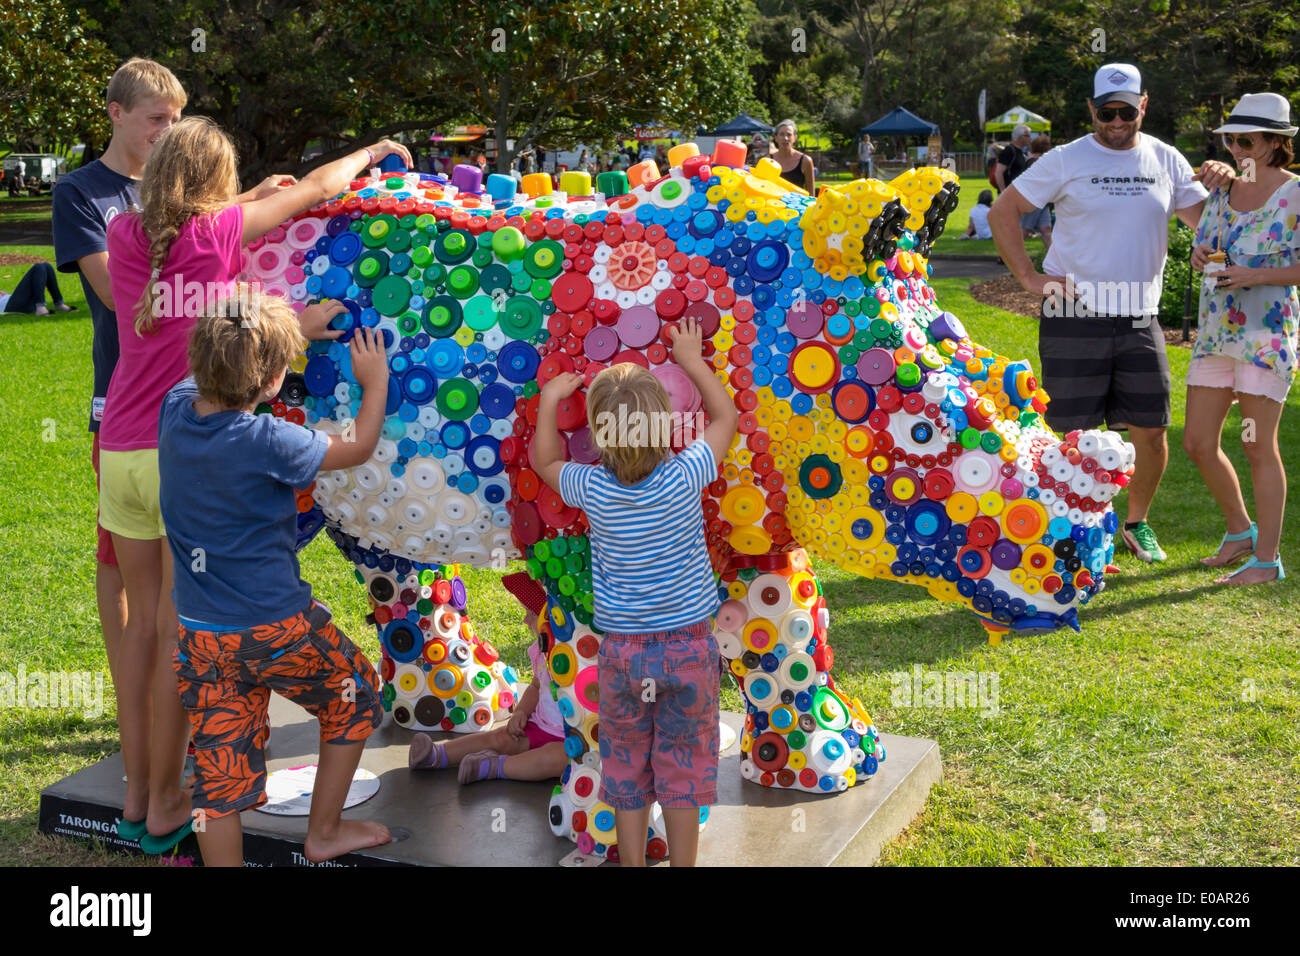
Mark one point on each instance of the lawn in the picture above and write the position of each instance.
(1165, 733)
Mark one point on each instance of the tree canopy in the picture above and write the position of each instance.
(280, 74)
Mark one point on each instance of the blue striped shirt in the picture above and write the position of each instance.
(650, 567)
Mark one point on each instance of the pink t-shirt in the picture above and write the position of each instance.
(547, 714)
(204, 258)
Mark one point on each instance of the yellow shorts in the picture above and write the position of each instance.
(128, 494)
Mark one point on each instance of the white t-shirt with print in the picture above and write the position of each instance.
(1112, 217)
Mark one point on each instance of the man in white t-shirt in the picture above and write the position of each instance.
(1101, 350)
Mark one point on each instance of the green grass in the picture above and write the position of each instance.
(33, 210)
(1143, 716)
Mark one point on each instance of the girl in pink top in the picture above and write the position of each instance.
(168, 262)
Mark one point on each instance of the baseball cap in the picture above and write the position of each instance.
(1117, 81)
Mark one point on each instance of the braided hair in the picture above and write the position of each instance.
(191, 172)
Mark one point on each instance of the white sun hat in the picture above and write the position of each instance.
(1260, 113)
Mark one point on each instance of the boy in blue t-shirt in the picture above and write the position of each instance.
(654, 590)
(248, 624)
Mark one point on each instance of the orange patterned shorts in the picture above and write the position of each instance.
(226, 678)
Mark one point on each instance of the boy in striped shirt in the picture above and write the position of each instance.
(654, 590)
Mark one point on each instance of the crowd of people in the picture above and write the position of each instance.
(202, 605)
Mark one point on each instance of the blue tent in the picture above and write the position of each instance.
(901, 122)
(742, 125)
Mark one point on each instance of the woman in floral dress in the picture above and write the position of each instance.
(1248, 246)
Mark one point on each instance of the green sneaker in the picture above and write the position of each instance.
(1142, 542)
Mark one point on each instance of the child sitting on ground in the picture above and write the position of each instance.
(531, 744)
(248, 623)
(654, 590)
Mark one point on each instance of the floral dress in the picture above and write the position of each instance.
(1256, 324)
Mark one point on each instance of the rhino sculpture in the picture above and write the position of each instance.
(874, 433)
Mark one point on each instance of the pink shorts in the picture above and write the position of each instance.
(663, 744)
(537, 737)
(1221, 371)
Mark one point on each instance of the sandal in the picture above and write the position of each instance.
(1254, 562)
(155, 845)
(1251, 535)
(130, 829)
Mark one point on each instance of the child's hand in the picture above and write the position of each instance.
(386, 147)
(688, 342)
(515, 725)
(314, 320)
(561, 387)
(369, 360)
(272, 185)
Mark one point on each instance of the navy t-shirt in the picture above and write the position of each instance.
(227, 487)
(85, 202)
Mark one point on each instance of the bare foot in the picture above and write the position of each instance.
(1231, 551)
(41, 310)
(64, 307)
(136, 805)
(349, 835)
(166, 814)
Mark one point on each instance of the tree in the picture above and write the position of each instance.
(277, 74)
(52, 77)
(566, 71)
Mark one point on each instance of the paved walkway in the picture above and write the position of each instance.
(967, 267)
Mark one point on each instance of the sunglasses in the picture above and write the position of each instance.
(1243, 142)
(1127, 113)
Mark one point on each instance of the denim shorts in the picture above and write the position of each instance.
(659, 718)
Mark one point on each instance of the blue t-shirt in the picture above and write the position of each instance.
(85, 202)
(650, 567)
(227, 487)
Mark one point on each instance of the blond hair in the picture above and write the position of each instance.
(191, 172)
(139, 79)
(629, 393)
(240, 345)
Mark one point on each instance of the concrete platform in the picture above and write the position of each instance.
(503, 822)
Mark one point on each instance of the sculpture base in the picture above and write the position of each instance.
(503, 822)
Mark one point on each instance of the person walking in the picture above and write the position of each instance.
(1103, 356)
(866, 152)
(1040, 220)
(1011, 161)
